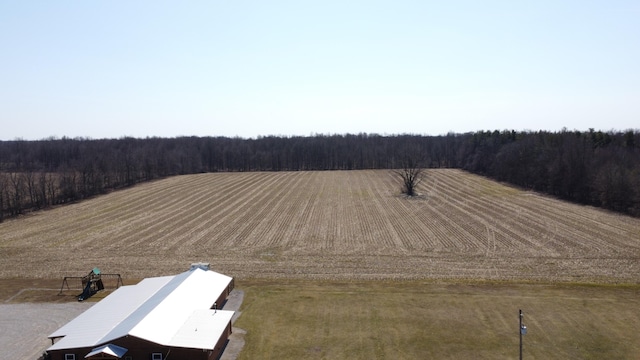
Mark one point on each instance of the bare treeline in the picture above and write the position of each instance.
(594, 167)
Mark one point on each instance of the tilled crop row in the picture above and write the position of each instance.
(326, 225)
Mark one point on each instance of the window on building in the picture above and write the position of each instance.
(69, 357)
(156, 356)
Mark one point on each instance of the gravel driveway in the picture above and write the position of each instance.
(25, 327)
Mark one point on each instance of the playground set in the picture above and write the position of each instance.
(91, 283)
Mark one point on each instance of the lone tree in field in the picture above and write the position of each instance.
(411, 174)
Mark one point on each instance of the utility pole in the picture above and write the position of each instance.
(523, 331)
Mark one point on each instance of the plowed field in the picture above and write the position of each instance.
(338, 225)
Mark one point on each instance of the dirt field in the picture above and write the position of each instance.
(326, 225)
(331, 234)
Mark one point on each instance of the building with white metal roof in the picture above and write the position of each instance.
(175, 315)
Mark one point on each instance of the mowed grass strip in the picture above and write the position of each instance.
(422, 320)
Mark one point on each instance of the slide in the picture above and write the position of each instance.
(86, 293)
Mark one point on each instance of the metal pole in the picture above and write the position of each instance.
(520, 331)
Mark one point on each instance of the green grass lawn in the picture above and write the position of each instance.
(418, 320)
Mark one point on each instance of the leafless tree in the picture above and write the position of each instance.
(18, 190)
(411, 174)
(3, 187)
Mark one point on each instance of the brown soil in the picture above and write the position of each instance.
(326, 225)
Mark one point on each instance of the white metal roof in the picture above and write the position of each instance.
(89, 328)
(156, 310)
(197, 331)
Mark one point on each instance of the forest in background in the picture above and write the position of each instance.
(592, 167)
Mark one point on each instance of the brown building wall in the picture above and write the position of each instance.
(219, 304)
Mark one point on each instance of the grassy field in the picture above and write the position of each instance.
(337, 264)
(296, 319)
(426, 320)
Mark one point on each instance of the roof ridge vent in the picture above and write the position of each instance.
(200, 265)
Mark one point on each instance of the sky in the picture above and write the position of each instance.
(109, 69)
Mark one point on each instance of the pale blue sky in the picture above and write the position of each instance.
(107, 69)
